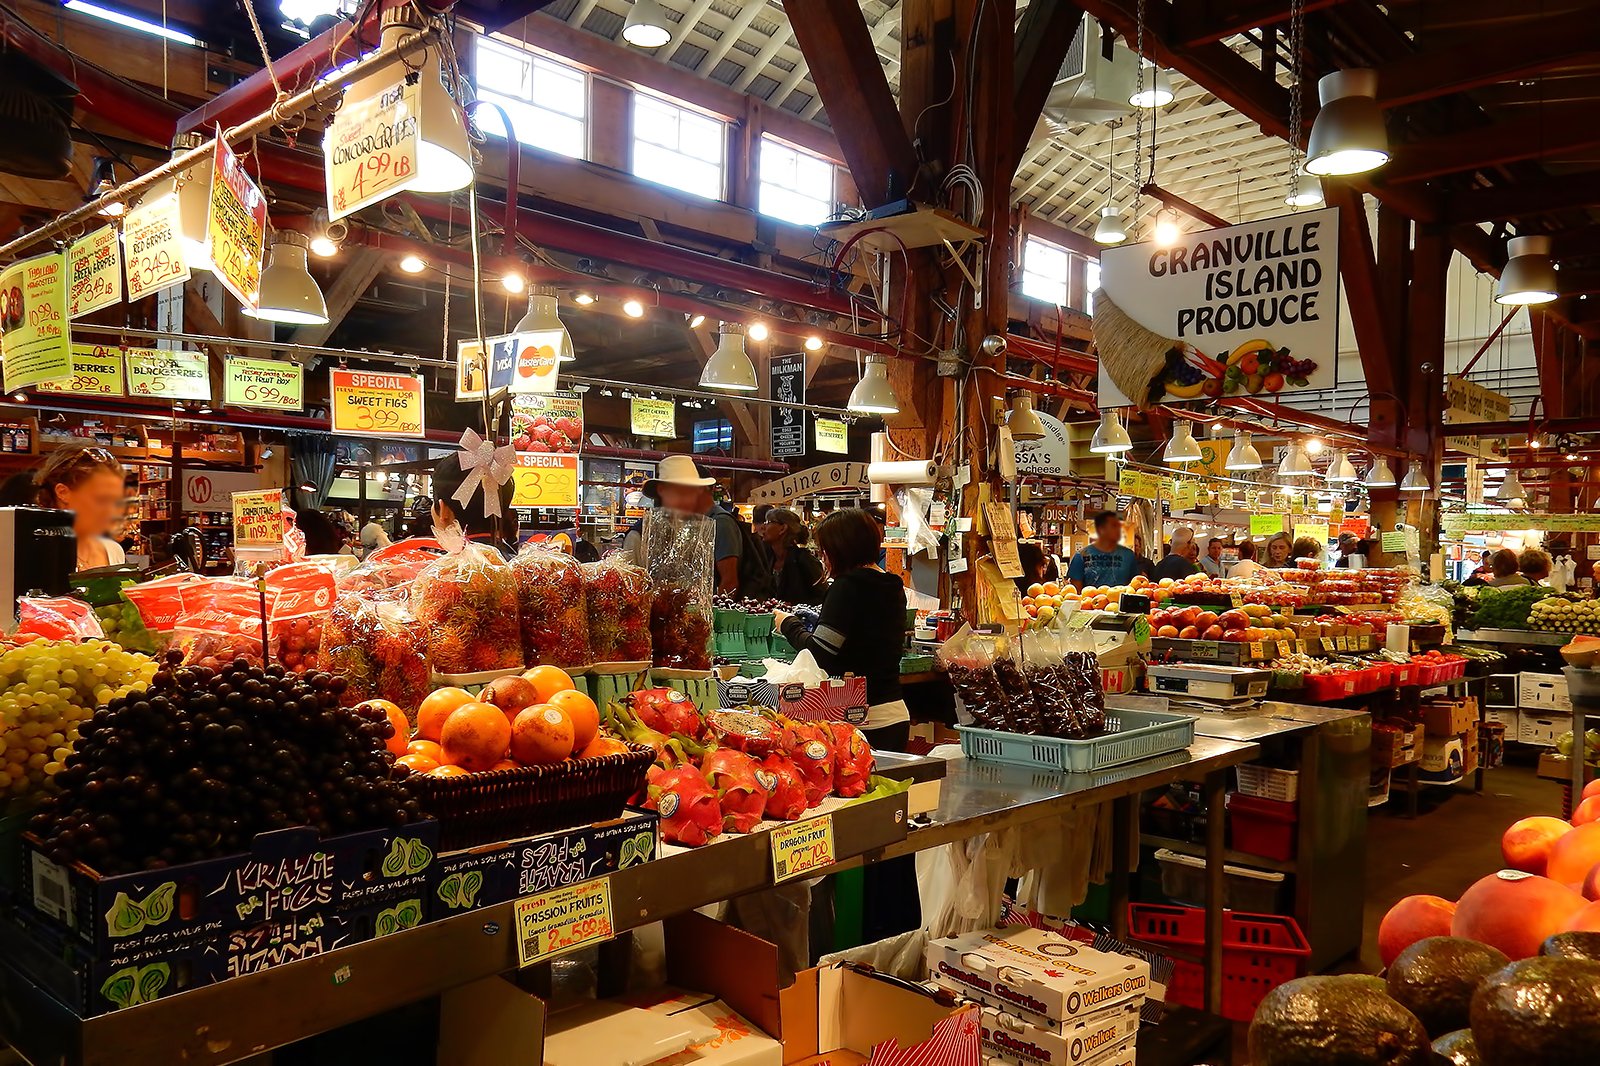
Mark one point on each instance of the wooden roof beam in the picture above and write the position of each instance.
(1499, 56)
(1043, 37)
(1562, 130)
(834, 38)
(1569, 192)
(1198, 22)
(1358, 269)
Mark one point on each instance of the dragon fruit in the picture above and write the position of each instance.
(786, 789)
(689, 812)
(753, 734)
(735, 777)
(812, 752)
(669, 711)
(852, 760)
(671, 751)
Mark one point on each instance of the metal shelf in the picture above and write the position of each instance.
(1512, 636)
(1237, 858)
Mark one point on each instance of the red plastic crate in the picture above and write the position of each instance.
(1404, 673)
(1322, 688)
(1262, 826)
(1259, 953)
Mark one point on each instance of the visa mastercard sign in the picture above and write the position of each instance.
(518, 363)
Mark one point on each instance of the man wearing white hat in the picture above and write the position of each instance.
(680, 486)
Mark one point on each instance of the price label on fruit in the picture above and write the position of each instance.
(562, 920)
(544, 480)
(381, 404)
(265, 383)
(801, 847)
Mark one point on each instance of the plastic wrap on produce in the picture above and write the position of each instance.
(617, 597)
(467, 602)
(553, 606)
(679, 551)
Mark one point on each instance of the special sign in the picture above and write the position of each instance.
(543, 479)
(383, 404)
(94, 272)
(371, 148)
(1254, 308)
(236, 227)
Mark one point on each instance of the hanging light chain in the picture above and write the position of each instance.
(1297, 31)
(1138, 112)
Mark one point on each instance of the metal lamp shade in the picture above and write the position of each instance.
(1348, 136)
(1110, 437)
(288, 291)
(873, 394)
(729, 367)
(1530, 275)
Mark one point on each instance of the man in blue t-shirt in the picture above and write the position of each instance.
(1103, 561)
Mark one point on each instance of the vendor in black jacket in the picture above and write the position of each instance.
(863, 623)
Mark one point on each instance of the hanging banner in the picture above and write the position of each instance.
(520, 363)
(264, 383)
(834, 477)
(547, 423)
(653, 418)
(94, 272)
(544, 480)
(34, 345)
(1457, 523)
(788, 378)
(1266, 525)
(152, 247)
(370, 150)
(1317, 531)
(258, 517)
(1471, 402)
(832, 435)
(168, 375)
(364, 401)
(236, 227)
(1251, 309)
(96, 371)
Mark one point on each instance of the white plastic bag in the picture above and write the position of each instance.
(804, 670)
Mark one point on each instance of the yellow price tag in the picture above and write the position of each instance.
(801, 847)
(96, 371)
(1256, 651)
(1285, 648)
(266, 383)
(377, 403)
(1237, 598)
(545, 480)
(562, 920)
(1300, 646)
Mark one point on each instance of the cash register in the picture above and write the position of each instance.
(38, 553)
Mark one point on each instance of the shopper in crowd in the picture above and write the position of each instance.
(585, 552)
(1279, 549)
(1177, 564)
(680, 486)
(1534, 565)
(322, 536)
(90, 483)
(1103, 561)
(1211, 562)
(1141, 559)
(796, 573)
(1247, 567)
(863, 622)
(469, 519)
(1307, 548)
(1349, 544)
(373, 537)
(1482, 571)
(1503, 567)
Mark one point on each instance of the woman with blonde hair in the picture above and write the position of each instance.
(91, 483)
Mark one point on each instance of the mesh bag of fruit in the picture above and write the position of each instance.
(617, 597)
(219, 620)
(467, 601)
(554, 609)
(678, 551)
(374, 643)
(299, 597)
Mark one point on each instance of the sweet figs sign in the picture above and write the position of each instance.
(1248, 306)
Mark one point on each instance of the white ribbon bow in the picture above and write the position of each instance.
(485, 466)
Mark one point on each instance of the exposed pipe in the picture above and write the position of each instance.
(1504, 322)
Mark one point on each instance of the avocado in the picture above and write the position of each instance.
(1457, 1049)
(1581, 945)
(1346, 1020)
(1435, 978)
(1539, 1012)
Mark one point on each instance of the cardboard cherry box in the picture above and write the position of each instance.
(287, 875)
(1099, 1036)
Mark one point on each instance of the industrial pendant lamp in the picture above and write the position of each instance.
(1023, 422)
(1111, 229)
(288, 291)
(1307, 191)
(873, 394)
(1243, 454)
(444, 155)
(647, 25)
(1530, 274)
(1348, 136)
(1296, 463)
(1415, 480)
(1341, 469)
(1110, 436)
(1182, 448)
(1510, 489)
(1157, 92)
(543, 319)
(1380, 476)
(729, 367)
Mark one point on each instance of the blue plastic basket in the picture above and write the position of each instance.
(1129, 736)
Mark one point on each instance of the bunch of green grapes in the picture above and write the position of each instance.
(47, 688)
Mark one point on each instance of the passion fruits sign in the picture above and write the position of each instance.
(1250, 309)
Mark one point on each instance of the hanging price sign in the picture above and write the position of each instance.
(236, 227)
(33, 321)
(96, 371)
(562, 920)
(653, 418)
(371, 148)
(258, 517)
(832, 436)
(1317, 531)
(1265, 525)
(545, 480)
(152, 247)
(264, 383)
(168, 375)
(388, 405)
(798, 848)
(94, 272)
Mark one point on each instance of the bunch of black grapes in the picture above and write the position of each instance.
(203, 760)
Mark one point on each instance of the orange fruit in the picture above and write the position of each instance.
(436, 707)
(541, 734)
(584, 714)
(397, 718)
(448, 771)
(417, 763)
(603, 745)
(428, 749)
(475, 736)
(548, 680)
(505, 764)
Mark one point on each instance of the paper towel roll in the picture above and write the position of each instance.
(904, 472)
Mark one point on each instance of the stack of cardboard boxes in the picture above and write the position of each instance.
(1450, 747)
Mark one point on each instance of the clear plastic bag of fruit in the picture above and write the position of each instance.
(374, 642)
(617, 597)
(467, 602)
(219, 620)
(63, 618)
(299, 597)
(968, 658)
(394, 566)
(678, 552)
(554, 612)
(119, 618)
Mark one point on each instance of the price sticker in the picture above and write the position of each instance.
(1205, 649)
(562, 920)
(1237, 598)
(1341, 643)
(801, 847)
(1300, 646)
(1285, 648)
(382, 404)
(1256, 650)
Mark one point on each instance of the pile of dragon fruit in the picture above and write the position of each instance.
(728, 770)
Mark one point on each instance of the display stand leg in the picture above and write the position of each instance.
(1215, 808)
(1123, 817)
(1413, 785)
(611, 973)
(1580, 725)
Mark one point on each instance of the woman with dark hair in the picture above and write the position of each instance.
(321, 536)
(1035, 565)
(469, 517)
(1505, 564)
(90, 483)
(796, 574)
(863, 623)
(1307, 548)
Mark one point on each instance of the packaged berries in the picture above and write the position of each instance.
(617, 596)
(375, 644)
(553, 608)
(467, 604)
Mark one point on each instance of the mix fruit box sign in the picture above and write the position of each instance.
(270, 384)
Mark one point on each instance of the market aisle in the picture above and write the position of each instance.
(1446, 848)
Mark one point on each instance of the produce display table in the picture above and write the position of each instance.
(1513, 636)
(235, 1019)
